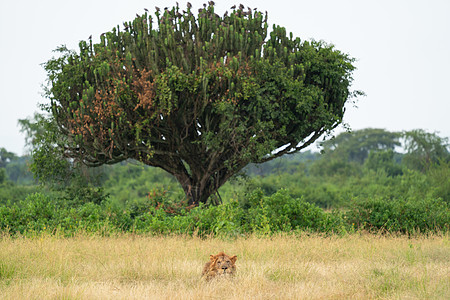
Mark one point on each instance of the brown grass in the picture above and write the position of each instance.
(282, 267)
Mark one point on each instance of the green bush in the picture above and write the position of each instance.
(42, 213)
(225, 219)
(281, 212)
(400, 215)
(37, 213)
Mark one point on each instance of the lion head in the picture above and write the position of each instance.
(220, 264)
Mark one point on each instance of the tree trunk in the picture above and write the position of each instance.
(198, 191)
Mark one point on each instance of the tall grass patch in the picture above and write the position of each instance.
(311, 266)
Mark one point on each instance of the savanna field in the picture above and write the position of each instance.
(305, 266)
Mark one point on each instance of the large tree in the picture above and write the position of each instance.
(198, 96)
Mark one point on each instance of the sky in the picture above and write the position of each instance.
(401, 47)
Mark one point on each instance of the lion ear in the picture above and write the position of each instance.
(233, 259)
(212, 257)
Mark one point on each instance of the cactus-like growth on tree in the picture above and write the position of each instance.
(200, 97)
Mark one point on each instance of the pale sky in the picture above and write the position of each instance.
(402, 49)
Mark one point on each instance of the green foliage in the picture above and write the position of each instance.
(49, 165)
(11, 193)
(6, 157)
(266, 215)
(285, 164)
(43, 213)
(18, 171)
(46, 144)
(384, 161)
(2, 176)
(37, 213)
(280, 213)
(14, 172)
(198, 96)
(131, 180)
(355, 146)
(400, 215)
(438, 181)
(335, 167)
(425, 149)
(80, 193)
(345, 154)
(259, 214)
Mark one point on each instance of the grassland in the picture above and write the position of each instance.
(282, 267)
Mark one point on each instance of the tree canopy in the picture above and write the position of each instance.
(198, 96)
(425, 149)
(5, 157)
(356, 146)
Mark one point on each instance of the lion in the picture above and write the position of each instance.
(219, 265)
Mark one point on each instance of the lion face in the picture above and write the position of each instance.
(224, 264)
(220, 264)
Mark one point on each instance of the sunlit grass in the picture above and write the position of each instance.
(282, 267)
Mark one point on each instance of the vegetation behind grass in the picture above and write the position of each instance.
(255, 214)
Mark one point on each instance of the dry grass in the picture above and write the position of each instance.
(307, 267)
